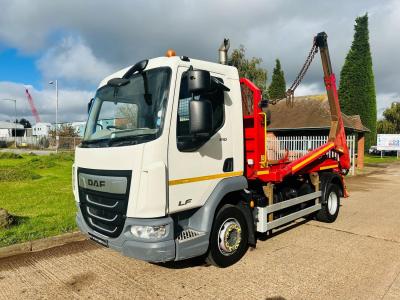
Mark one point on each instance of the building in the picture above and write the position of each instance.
(7, 129)
(310, 117)
(79, 127)
(41, 129)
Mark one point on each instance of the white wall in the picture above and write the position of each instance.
(4, 133)
(41, 129)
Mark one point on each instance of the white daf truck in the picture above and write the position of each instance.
(164, 171)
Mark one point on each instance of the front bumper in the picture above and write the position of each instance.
(148, 250)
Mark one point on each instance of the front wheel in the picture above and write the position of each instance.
(330, 205)
(229, 237)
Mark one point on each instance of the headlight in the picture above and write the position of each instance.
(149, 232)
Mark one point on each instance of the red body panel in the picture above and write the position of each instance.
(257, 166)
(254, 129)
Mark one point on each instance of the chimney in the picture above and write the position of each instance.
(223, 52)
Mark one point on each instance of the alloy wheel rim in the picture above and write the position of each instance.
(229, 236)
(332, 203)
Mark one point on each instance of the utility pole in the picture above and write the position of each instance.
(57, 137)
(15, 115)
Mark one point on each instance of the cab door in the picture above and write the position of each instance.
(195, 167)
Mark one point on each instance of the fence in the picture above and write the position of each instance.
(41, 142)
(297, 146)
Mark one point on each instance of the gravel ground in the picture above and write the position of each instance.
(357, 257)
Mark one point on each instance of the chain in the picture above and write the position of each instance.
(290, 92)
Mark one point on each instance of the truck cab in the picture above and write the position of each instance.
(142, 177)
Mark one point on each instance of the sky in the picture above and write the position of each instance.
(80, 42)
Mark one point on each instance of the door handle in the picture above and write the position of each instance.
(228, 165)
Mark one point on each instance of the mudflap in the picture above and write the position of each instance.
(244, 207)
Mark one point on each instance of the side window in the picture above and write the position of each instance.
(216, 98)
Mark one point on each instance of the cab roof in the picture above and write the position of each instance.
(174, 62)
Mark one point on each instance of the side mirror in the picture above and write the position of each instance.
(198, 81)
(200, 115)
(90, 104)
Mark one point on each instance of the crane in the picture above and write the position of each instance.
(32, 105)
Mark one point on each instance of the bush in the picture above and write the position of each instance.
(17, 174)
(10, 155)
(44, 142)
(64, 156)
(50, 161)
(40, 163)
(5, 144)
(6, 220)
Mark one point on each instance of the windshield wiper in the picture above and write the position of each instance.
(93, 142)
(129, 139)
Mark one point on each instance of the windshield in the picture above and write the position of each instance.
(129, 114)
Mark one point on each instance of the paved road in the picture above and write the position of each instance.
(357, 257)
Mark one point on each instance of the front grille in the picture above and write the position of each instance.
(104, 212)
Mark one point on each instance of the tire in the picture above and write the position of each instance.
(330, 204)
(229, 237)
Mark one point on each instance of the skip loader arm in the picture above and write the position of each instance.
(337, 134)
(255, 128)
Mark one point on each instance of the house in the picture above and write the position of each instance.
(79, 127)
(41, 129)
(310, 117)
(7, 129)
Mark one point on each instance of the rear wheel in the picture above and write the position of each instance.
(229, 237)
(330, 205)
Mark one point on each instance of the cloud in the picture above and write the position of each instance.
(72, 103)
(309, 89)
(81, 39)
(385, 101)
(73, 61)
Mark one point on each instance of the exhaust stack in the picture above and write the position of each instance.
(223, 52)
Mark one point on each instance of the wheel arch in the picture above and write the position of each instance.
(240, 199)
(227, 191)
(331, 177)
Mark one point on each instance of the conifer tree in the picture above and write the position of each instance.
(357, 85)
(277, 88)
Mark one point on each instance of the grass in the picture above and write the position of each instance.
(376, 159)
(37, 191)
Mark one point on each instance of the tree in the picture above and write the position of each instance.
(25, 123)
(127, 114)
(391, 121)
(357, 85)
(64, 131)
(277, 88)
(249, 68)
